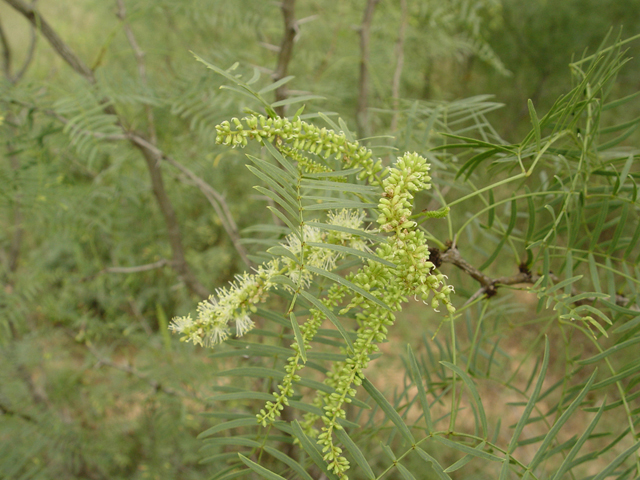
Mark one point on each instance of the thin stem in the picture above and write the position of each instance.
(362, 112)
(397, 73)
(285, 52)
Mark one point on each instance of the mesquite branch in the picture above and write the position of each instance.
(362, 113)
(489, 286)
(286, 51)
(397, 73)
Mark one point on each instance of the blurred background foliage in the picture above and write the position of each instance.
(91, 384)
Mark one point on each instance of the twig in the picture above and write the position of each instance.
(16, 240)
(9, 411)
(362, 112)
(489, 286)
(33, 41)
(397, 73)
(31, 14)
(6, 54)
(139, 268)
(286, 51)
(142, 68)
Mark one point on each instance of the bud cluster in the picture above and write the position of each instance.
(300, 136)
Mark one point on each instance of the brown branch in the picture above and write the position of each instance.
(33, 41)
(178, 261)
(489, 286)
(286, 51)
(151, 158)
(16, 240)
(61, 48)
(362, 112)
(140, 268)
(397, 73)
(6, 54)
(29, 58)
(9, 411)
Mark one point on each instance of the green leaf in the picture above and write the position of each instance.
(593, 270)
(621, 138)
(625, 172)
(633, 243)
(352, 231)
(535, 122)
(595, 311)
(617, 462)
(259, 469)
(475, 161)
(299, 469)
(622, 223)
(463, 461)
(276, 85)
(279, 200)
(294, 100)
(492, 210)
(241, 422)
(286, 192)
(355, 452)
(442, 475)
(480, 143)
(620, 101)
(352, 251)
(244, 395)
(388, 410)
(298, 335)
(311, 449)
(219, 458)
(595, 235)
(563, 283)
(474, 394)
(532, 217)
(422, 395)
(284, 280)
(281, 160)
(512, 224)
(337, 173)
(406, 474)
(468, 449)
(532, 400)
(228, 474)
(348, 284)
(329, 314)
(273, 316)
(340, 187)
(328, 203)
(255, 372)
(282, 177)
(568, 413)
(281, 251)
(283, 217)
(566, 463)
